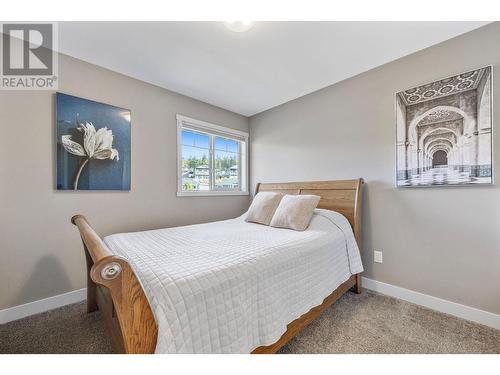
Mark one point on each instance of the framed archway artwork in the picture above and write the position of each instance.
(444, 131)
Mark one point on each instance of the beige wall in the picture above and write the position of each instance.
(40, 251)
(444, 242)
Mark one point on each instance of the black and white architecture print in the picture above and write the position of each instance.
(444, 131)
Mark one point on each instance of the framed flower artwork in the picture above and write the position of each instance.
(93, 145)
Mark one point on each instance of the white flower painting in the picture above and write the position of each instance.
(96, 145)
(94, 154)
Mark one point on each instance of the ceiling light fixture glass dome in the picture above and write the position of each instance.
(238, 26)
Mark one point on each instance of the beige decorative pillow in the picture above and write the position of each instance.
(263, 206)
(295, 211)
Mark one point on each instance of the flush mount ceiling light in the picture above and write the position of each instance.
(238, 26)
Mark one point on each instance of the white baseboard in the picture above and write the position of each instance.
(46, 304)
(465, 312)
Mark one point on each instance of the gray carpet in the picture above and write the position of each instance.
(366, 323)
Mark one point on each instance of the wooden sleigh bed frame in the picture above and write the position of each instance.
(113, 287)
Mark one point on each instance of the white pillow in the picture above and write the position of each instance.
(295, 211)
(263, 206)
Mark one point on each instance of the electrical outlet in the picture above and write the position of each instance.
(377, 257)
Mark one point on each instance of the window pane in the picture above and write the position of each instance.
(195, 161)
(227, 164)
(187, 138)
(201, 140)
(224, 144)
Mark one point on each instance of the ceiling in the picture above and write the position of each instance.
(247, 73)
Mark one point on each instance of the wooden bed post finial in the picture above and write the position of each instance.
(106, 271)
(75, 217)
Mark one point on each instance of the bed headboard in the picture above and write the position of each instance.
(343, 196)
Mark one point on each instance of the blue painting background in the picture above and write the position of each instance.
(97, 174)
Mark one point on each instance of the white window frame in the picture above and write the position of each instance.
(184, 122)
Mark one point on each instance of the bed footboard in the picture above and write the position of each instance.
(136, 323)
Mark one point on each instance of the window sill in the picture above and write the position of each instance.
(210, 193)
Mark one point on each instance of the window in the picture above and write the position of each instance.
(212, 160)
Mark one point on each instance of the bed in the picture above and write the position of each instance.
(228, 286)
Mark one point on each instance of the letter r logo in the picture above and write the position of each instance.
(27, 49)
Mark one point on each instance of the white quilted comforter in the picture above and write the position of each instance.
(231, 286)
